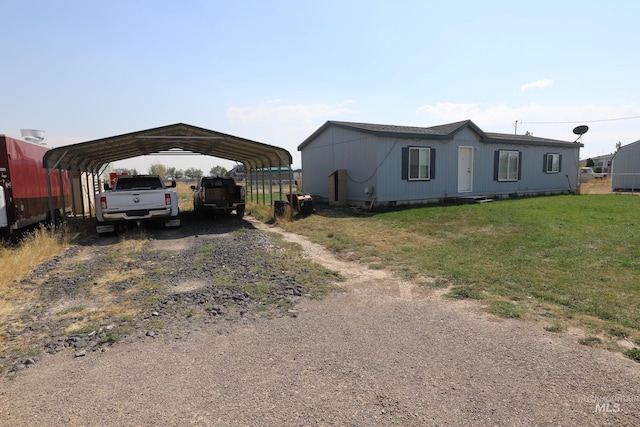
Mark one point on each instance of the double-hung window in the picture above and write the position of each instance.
(508, 165)
(419, 163)
(552, 163)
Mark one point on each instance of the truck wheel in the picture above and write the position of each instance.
(240, 213)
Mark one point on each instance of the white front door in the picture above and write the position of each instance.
(465, 169)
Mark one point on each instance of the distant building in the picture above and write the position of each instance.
(237, 173)
(600, 163)
(275, 176)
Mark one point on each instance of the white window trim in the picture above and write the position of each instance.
(428, 164)
(549, 157)
(510, 154)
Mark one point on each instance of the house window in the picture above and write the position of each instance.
(419, 163)
(508, 165)
(552, 162)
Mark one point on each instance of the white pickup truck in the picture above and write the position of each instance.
(587, 174)
(136, 198)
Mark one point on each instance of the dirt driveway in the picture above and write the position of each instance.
(384, 352)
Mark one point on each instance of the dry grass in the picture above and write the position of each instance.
(596, 186)
(17, 262)
(109, 307)
(185, 195)
(261, 212)
(95, 306)
(93, 318)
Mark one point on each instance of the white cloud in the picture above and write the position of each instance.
(538, 84)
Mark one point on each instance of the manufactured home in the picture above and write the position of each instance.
(371, 164)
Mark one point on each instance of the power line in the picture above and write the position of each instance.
(580, 121)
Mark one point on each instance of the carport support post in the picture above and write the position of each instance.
(279, 182)
(254, 184)
(63, 207)
(270, 183)
(91, 191)
(264, 193)
(247, 185)
(72, 192)
(86, 176)
(290, 188)
(51, 209)
(249, 188)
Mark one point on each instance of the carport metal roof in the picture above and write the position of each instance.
(91, 156)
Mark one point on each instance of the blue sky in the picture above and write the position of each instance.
(275, 71)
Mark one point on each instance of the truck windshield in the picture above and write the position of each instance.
(139, 184)
(217, 183)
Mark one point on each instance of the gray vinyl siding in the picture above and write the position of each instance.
(338, 149)
(625, 169)
(532, 178)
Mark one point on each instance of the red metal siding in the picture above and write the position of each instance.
(25, 181)
(23, 161)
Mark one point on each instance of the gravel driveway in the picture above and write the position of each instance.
(384, 352)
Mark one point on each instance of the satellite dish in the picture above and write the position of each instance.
(33, 135)
(580, 130)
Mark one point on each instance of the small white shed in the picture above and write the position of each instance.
(625, 168)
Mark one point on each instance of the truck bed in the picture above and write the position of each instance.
(216, 194)
(137, 198)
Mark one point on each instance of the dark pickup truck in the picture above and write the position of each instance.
(218, 194)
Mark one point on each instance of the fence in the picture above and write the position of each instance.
(271, 184)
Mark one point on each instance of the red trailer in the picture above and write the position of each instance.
(113, 176)
(24, 193)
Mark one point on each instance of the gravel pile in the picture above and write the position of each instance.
(229, 278)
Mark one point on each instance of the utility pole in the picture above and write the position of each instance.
(516, 126)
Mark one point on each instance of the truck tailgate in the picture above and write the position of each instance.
(136, 200)
(214, 194)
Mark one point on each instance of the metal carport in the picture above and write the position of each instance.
(92, 157)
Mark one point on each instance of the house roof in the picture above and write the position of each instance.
(603, 157)
(443, 132)
(172, 139)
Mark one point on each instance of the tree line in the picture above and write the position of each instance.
(174, 173)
